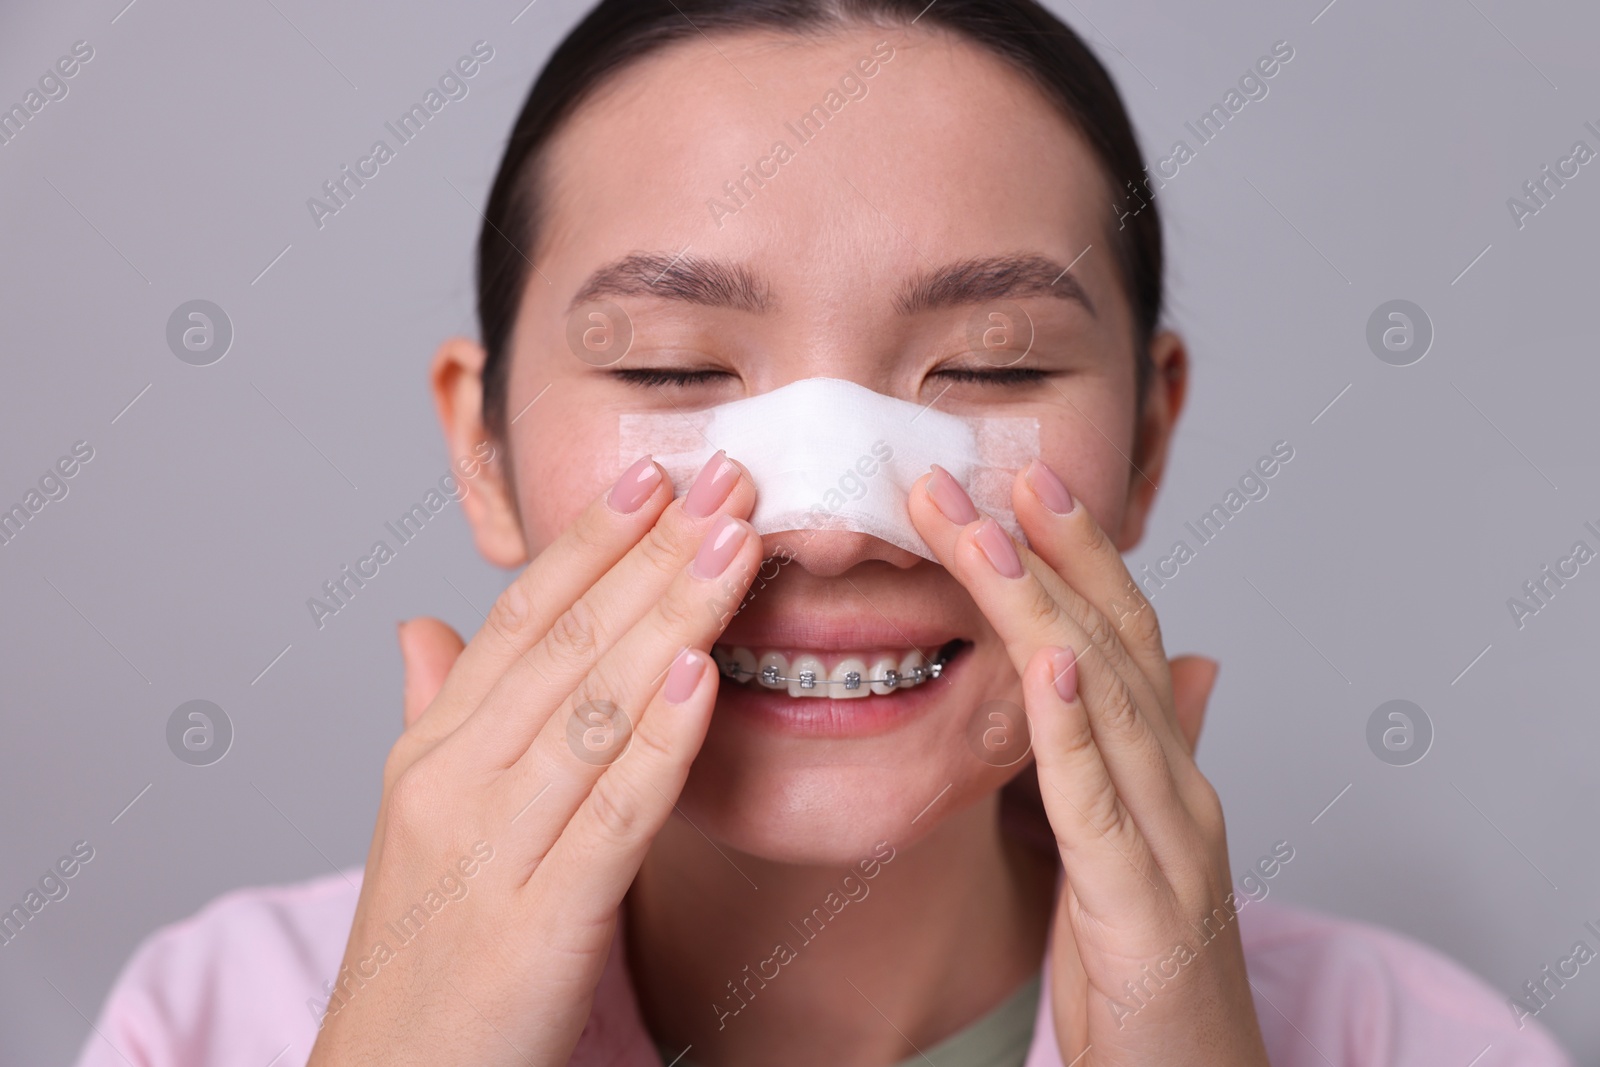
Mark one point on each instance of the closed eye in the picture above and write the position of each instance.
(655, 377)
(992, 375)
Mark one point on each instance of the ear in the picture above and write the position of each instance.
(490, 503)
(1169, 383)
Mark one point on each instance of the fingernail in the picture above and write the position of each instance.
(1064, 668)
(635, 485)
(719, 548)
(996, 544)
(683, 677)
(1048, 488)
(950, 498)
(711, 486)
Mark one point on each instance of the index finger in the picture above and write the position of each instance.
(1063, 534)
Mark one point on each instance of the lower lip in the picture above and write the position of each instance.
(826, 717)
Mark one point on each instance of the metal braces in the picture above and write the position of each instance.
(852, 680)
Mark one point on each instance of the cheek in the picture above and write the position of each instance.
(562, 465)
(1094, 468)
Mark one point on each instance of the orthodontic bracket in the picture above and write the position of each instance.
(852, 680)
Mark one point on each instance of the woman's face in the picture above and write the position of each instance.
(940, 187)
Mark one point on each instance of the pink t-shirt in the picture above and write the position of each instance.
(239, 982)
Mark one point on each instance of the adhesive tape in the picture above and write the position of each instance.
(827, 454)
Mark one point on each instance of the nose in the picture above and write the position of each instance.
(830, 553)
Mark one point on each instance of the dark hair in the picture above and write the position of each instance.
(617, 32)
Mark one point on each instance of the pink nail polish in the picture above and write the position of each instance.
(951, 500)
(683, 677)
(1064, 669)
(719, 548)
(1050, 490)
(996, 544)
(711, 486)
(634, 486)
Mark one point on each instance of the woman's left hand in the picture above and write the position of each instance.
(1146, 960)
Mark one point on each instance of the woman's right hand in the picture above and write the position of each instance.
(518, 806)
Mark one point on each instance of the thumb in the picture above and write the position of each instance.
(1192, 679)
(429, 649)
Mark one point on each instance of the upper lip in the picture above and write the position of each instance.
(866, 629)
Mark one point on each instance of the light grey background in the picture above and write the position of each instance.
(1379, 567)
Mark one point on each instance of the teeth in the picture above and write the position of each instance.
(808, 674)
(842, 673)
(913, 668)
(742, 659)
(881, 668)
(778, 664)
(805, 671)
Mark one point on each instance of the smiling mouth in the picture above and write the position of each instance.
(835, 675)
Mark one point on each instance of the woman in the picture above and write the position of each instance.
(605, 836)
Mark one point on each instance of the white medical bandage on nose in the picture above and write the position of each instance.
(827, 454)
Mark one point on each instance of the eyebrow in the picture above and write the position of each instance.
(720, 283)
(676, 276)
(974, 281)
